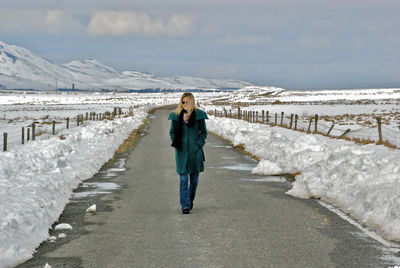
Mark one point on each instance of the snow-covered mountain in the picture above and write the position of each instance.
(21, 69)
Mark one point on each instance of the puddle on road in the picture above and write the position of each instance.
(96, 188)
(241, 167)
(264, 179)
(93, 188)
(228, 158)
(220, 146)
(116, 169)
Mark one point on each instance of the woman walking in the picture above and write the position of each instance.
(188, 135)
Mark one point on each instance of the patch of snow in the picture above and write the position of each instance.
(63, 226)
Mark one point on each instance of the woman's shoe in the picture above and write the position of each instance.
(186, 211)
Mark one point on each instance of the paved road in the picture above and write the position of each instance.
(238, 220)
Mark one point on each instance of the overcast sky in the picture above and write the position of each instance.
(293, 44)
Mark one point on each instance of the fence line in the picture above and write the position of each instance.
(31, 130)
(365, 135)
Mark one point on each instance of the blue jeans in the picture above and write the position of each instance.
(187, 192)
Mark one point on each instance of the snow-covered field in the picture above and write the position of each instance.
(37, 179)
(346, 109)
(19, 110)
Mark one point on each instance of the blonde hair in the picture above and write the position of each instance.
(191, 103)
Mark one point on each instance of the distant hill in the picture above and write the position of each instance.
(21, 69)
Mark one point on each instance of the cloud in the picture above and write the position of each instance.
(38, 21)
(376, 25)
(121, 23)
(393, 43)
(358, 43)
(244, 40)
(315, 41)
(393, 40)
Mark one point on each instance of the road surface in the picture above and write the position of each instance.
(238, 219)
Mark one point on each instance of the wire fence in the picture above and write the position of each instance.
(378, 134)
(48, 128)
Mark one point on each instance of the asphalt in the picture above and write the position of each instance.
(238, 219)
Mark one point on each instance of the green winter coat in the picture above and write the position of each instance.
(193, 140)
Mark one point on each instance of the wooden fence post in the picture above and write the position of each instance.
(379, 121)
(267, 117)
(262, 118)
(28, 131)
(239, 117)
(282, 118)
(54, 127)
(309, 125)
(67, 122)
(23, 135)
(86, 118)
(5, 142)
(77, 120)
(345, 133)
(276, 118)
(295, 121)
(291, 121)
(330, 129)
(316, 123)
(33, 131)
(256, 116)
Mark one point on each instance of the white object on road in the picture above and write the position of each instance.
(92, 208)
(63, 226)
(47, 265)
(62, 235)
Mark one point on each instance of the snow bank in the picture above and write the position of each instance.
(37, 179)
(362, 180)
